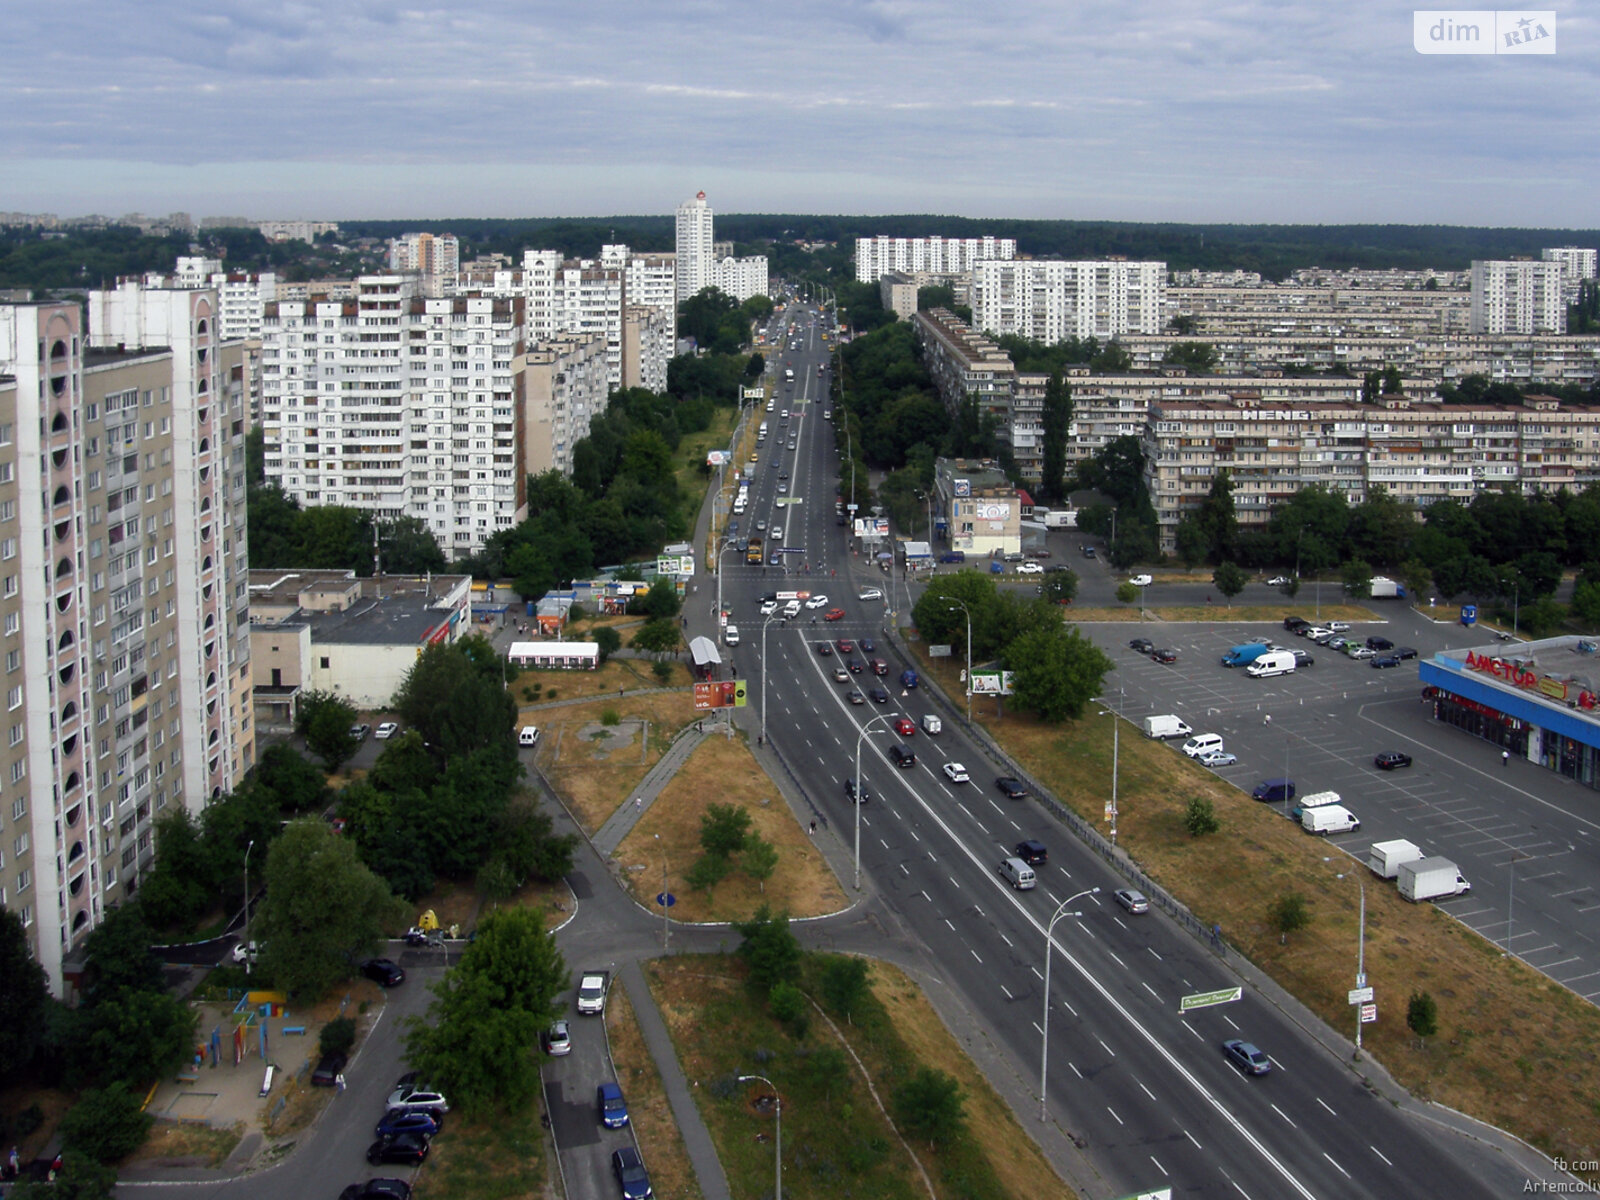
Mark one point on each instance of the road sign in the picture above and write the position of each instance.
(1207, 999)
(1369, 1013)
(1361, 995)
(938, 651)
(666, 899)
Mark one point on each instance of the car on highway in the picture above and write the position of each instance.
(845, 646)
(1029, 568)
(1011, 787)
(834, 614)
(775, 559)
(1165, 655)
(868, 645)
(783, 490)
(850, 790)
(396, 1123)
(1142, 645)
(904, 726)
(1246, 1057)
(1131, 900)
(854, 666)
(1392, 760)
(1355, 651)
(329, 1068)
(840, 675)
(1385, 660)
(870, 594)
(378, 1189)
(1088, 552)
(387, 730)
(855, 697)
(632, 1178)
(956, 772)
(1140, 580)
(783, 474)
(825, 649)
(1278, 581)
(761, 526)
(1218, 758)
(879, 696)
(409, 1149)
(1032, 851)
(383, 971)
(777, 532)
(768, 607)
(359, 732)
(610, 1106)
(557, 1040)
(902, 755)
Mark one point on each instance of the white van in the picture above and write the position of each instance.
(730, 636)
(528, 735)
(1202, 743)
(791, 609)
(1018, 874)
(1166, 726)
(1329, 818)
(932, 725)
(1274, 662)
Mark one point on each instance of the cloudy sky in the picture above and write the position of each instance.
(1199, 110)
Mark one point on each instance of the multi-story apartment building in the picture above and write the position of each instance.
(743, 278)
(296, 231)
(241, 296)
(566, 388)
(1051, 300)
(589, 302)
(1327, 305)
(966, 365)
(877, 256)
(1517, 296)
(436, 257)
(1577, 265)
(696, 258)
(652, 279)
(897, 292)
(122, 598)
(1420, 453)
(648, 343)
(399, 404)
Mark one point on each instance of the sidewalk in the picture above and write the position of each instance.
(609, 836)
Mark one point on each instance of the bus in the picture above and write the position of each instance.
(752, 552)
(788, 376)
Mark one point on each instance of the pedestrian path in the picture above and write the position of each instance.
(621, 823)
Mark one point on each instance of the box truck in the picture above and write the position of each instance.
(1384, 588)
(1165, 726)
(1385, 858)
(1430, 879)
(1329, 818)
(1274, 662)
(1243, 656)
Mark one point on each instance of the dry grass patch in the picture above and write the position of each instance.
(186, 1144)
(802, 885)
(1514, 1049)
(661, 1142)
(1272, 614)
(595, 774)
(452, 903)
(493, 1156)
(615, 675)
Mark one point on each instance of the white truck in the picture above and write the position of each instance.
(1274, 662)
(1061, 518)
(1430, 879)
(1385, 858)
(1329, 818)
(1384, 588)
(932, 725)
(592, 988)
(1165, 726)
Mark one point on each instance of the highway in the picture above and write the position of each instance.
(1145, 1091)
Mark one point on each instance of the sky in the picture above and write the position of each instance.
(1169, 110)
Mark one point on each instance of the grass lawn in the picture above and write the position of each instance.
(184, 1143)
(596, 766)
(834, 1081)
(1514, 1048)
(494, 1156)
(802, 885)
(618, 674)
(660, 1142)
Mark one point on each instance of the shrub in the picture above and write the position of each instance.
(338, 1036)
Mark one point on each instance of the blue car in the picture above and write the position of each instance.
(774, 559)
(613, 1110)
(399, 1121)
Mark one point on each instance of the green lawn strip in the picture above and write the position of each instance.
(497, 1155)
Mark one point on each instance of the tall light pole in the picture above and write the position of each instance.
(777, 1100)
(764, 624)
(857, 797)
(1361, 948)
(1044, 1026)
(726, 546)
(962, 605)
(1511, 897)
(1116, 734)
(247, 955)
(666, 927)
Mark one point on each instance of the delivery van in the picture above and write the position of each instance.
(1202, 743)
(1276, 662)
(1165, 726)
(1329, 818)
(1018, 874)
(528, 735)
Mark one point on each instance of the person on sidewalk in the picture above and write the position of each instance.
(1505, 758)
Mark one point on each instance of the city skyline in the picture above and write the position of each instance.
(1190, 113)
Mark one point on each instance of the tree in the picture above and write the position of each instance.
(406, 546)
(1200, 817)
(455, 697)
(661, 601)
(325, 721)
(531, 848)
(105, 1124)
(608, 640)
(24, 997)
(178, 889)
(80, 1178)
(724, 829)
(1218, 520)
(132, 1036)
(1422, 1016)
(787, 1004)
(338, 1036)
(118, 957)
(323, 912)
(1229, 580)
(1059, 587)
(1057, 420)
(1357, 575)
(707, 871)
(657, 637)
(845, 982)
(1057, 672)
(769, 949)
(1290, 914)
(284, 775)
(760, 859)
(1197, 356)
(1192, 543)
(1127, 593)
(931, 1105)
(475, 1040)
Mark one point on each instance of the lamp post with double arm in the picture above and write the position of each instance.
(857, 797)
(1044, 1025)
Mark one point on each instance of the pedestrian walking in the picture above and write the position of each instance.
(638, 802)
(1267, 720)
(338, 1081)
(1505, 758)
(813, 828)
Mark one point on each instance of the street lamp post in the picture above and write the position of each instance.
(1044, 1026)
(247, 954)
(777, 1100)
(961, 604)
(857, 797)
(1116, 732)
(726, 546)
(1361, 950)
(764, 624)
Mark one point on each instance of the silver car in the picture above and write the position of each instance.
(1131, 900)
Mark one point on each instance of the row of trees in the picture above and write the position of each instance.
(719, 323)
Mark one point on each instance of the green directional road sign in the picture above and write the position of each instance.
(1207, 999)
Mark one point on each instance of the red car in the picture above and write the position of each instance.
(904, 727)
(846, 646)
(834, 614)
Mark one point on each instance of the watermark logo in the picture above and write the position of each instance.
(1483, 31)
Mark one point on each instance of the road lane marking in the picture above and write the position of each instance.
(1285, 1116)
(974, 953)
(1073, 1065)
(1336, 1166)
(1120, 963)
(1151, 990)
(1007, 991)
(1197, 1145)
(1005, 939)
(1158, 957)
(1106, 1048)
(1114, 1116)
(1324, 1104)
(1146, 1090)
(1381, 1155)
(1159, 1167)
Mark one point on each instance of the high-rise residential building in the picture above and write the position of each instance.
(1577, 266)
(241, 296)
(697, 263)
(399, 404)
(652, 279)
(876, 256)
(1052, 300)
(648, 343)
(743, 278)
(1517, 296)
(436, 257)
(122, 597)
(566, 389)
(296, 231)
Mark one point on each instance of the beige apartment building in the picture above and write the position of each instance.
(565, 380)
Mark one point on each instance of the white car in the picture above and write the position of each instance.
(870, 594)
(1278, 581)
(817, 602)
(768, 607)
(777, 530)
(242, 952)
(1030, 568)
(955, 772)
(1339, 626)
(386, 731)
(1140, 581)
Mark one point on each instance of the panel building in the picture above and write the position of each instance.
(1517, 296)
(877, 256)
(1052, 300)
(696, 258)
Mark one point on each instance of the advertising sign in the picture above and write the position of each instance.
(726, 694)
(996, 683)
(872, 527)
(716, 458)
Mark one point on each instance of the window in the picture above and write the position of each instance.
(19, 808)
(16, 733)
(24, 881)
(19, 770)
(13, 622)
(21, 846)
(14, 697)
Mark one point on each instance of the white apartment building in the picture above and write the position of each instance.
(240, 295)
(296, 231)
(1577, 265)
(697, 264)
(589, 302)
(125, 624)
(565, 380)
(1052, 300)
(743, 278)
(436, 257)
(651, 279)
(398, 404)
(877, 256)
(1517, 296)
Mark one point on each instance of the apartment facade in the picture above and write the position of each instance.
(1052, 300)
(565, 388)
(743, 278)
(1517, 296)
(649, 339)
(696, 257)
(1578, 264)
(120, 600)
(435, 257)
(877, 256)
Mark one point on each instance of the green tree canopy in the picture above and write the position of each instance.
(769, 948)
(931, 1105)
(1058, 672)
(24, 997)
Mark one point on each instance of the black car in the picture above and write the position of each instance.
(1385, 660)
(1404, 652)
(867, 645)
(1302, 659)
(1142, 645)
(854, 666)
(329, 1068)
(1391, 760)
(825, 649)
(632, 1178)
(378, 1189)
(902, 755)
(1011, 787)
(1379, 643)
(1165, 656)
(1032, 852)
(1296, 624)
(879, 696)
(850, 790)
(408, 1148)
(383, 971)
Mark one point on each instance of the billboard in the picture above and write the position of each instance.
(872, 527)
(995, 683)
(716, 458)
(726, 694)
(670, 564)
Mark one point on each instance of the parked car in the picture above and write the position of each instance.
(400, 1121)
(1337, 643)
(1404, 652)
(610, 1105)
(1218, 758)
(632, 1178)
(1088, 552)
(1032, 851)
(408, 1095)
(1379, 643)
(1142, 645)
(1165, 655)
(1385, 660)
(359, 732)
(407, 1148)
(1359, 652)
(956, 772)
(1295, 624)
(1030, 568)
(1011, 787)
(1339, 626)
(329, 1068)
(1140, 580)
(850, 790)
(1391, 760)
(1131, 900)
(383, 971)
(1246, 1057)
(1278, 581)
(1303, 659)
(557, 1040)
(378, 1189)
(241, 952)
(387, 730)
(1315, 633)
